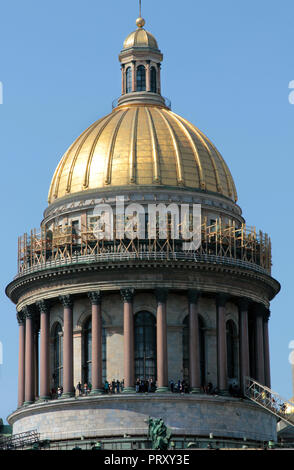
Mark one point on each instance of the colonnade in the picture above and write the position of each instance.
(33, 317)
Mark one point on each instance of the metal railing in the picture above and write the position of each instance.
(167, 102)
(128, 256)
(269, 400)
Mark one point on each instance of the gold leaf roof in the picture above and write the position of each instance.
(141, 145)
(140, 38)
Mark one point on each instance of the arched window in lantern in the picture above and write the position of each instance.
(141, 78)
(129, 81)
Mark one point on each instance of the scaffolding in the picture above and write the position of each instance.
(64, 243)
(20, 441)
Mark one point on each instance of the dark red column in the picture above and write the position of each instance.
(259, 344)
(194, 347)
(44, 350)
(97, 386)
(161, 337)
(68, 385)
(222, 343)
(266, 350)
(244, 341)
(29, 356)
(129, 363)
(21, 359)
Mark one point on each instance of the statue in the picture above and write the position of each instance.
(159, 434)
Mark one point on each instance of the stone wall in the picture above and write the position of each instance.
(126, 414)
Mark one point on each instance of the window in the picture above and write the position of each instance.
(153, 83)
(88, 352)
(129, 80)
(141, 78)
(58, 357)
(232, 350)
(145, 346)
(186, 350)
(87, 356)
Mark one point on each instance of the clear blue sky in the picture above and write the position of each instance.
(227, 66)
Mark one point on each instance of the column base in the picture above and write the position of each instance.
(195, 390)
(162, 390)
(129, 390)
(68, 395)
(26, 403)
(224, 393)
(96, 391)
(46, 398)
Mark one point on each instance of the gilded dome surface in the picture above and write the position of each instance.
(141, 145)
(140, 38)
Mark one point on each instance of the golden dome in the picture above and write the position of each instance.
(140, 37)
(141, 145)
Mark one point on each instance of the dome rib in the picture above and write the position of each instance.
(76, 155)
(90, 158)
(218, 183)
(199, 137)
(194, 148)
(112, 141)
(133, 151)
(178, 157)
(230, 182)
(156, 166)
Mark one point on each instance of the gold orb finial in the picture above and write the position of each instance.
(140, 22)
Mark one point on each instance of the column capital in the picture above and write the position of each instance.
(161, 295)
(193, 295)
(267, 314)
(28, 312)
(222, 299)
(127, 294)
(95, 297)
(66, 300)
(260, 310)
(20, 317)
(243, 303)
(43, 306)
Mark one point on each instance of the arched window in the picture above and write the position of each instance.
(87, 356)
(153, 80)
(145, 346)
(87, 366)
(232, 350)
(141, 78)
(129, 80)
(186, 350)
(57, 356)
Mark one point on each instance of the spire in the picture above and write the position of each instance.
(140, 22)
